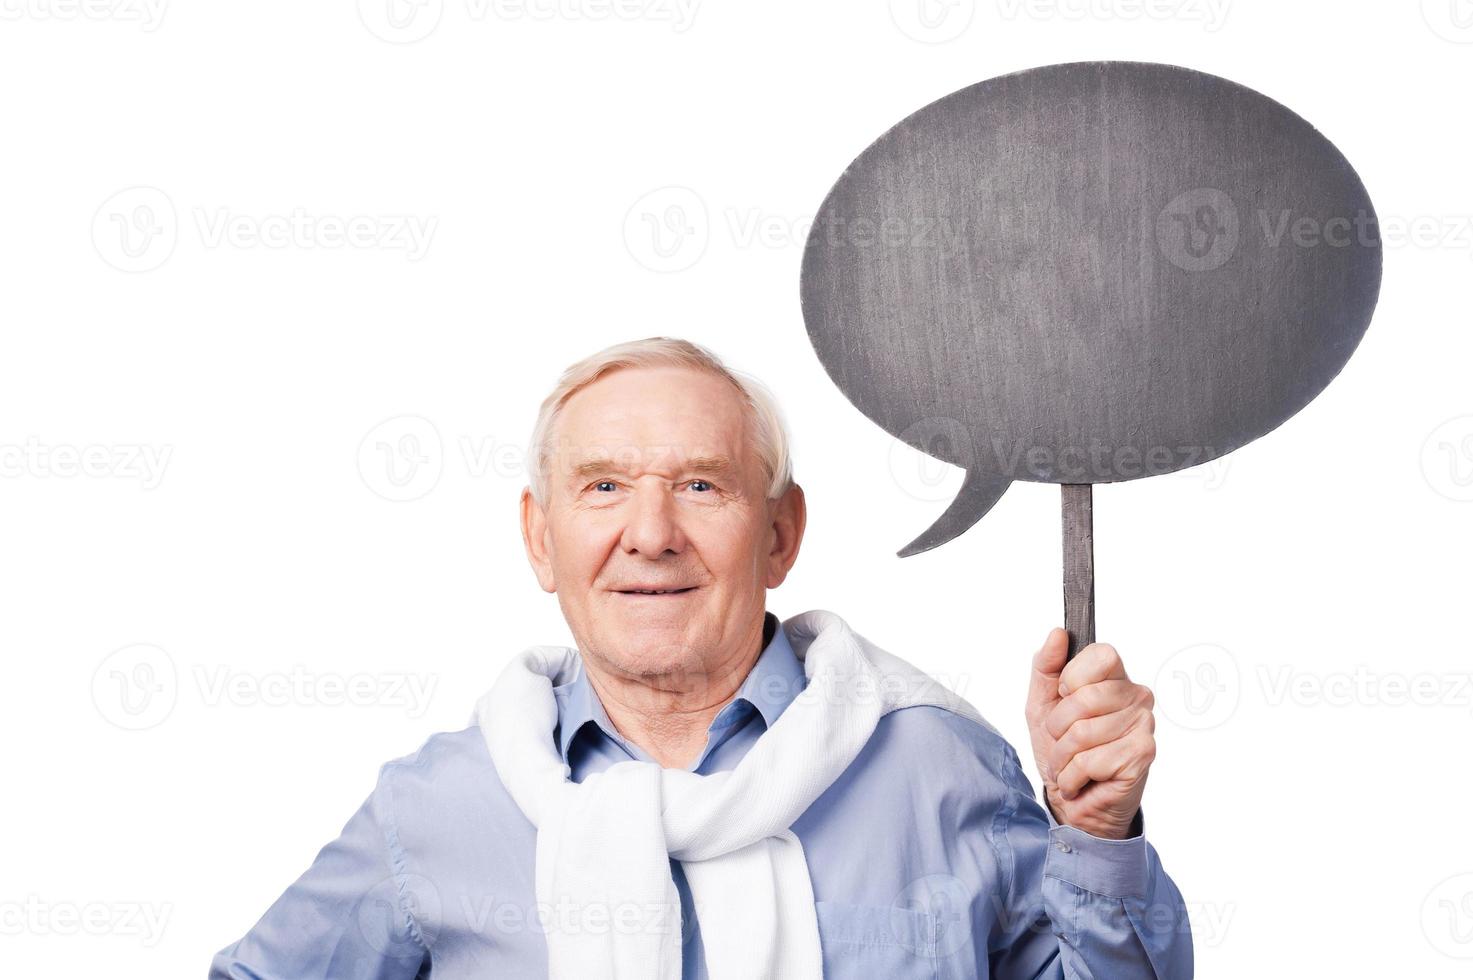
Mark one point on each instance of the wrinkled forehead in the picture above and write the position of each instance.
(672, 422)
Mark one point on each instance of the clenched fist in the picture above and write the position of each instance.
(1093, 736)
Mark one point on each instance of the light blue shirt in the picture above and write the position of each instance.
(929, 858)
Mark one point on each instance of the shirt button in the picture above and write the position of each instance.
(1063, 845)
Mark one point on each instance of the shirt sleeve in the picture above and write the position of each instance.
(1082, 907)
(350, 914)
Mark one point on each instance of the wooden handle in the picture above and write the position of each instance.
(1079, 565)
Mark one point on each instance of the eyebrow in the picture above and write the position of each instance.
(706, 465)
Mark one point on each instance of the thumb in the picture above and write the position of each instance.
(1048, 664)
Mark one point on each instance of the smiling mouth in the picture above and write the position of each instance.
(657, 592)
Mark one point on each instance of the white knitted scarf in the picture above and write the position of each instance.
(603, 883)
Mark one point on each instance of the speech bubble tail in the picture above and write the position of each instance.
(980, 490)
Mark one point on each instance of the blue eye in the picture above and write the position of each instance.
(604, 483)
(700, 481)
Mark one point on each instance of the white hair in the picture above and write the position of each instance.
(765, 421)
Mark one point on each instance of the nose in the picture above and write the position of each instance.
(654, 523)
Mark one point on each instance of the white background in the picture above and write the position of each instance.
(233, 526)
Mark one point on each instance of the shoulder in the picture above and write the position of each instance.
(943, 747)
(451, 773)
(443, 753)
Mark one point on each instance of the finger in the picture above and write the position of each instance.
(1099, 698)
(1128, 757)
(1086, 733)
(1048, 662)
(1096, 662)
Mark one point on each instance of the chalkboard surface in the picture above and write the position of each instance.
(1088, 273)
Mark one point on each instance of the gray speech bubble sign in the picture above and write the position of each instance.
(1089, 273)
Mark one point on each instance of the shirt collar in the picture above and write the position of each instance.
(773, 682)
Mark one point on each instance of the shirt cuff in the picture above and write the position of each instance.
(1113, 868)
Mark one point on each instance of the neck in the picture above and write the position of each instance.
(668, 715)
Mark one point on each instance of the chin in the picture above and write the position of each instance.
(653, 650)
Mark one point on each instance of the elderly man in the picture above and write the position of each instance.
(699, 789)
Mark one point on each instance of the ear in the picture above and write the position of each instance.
(789, 517)
(535, 539)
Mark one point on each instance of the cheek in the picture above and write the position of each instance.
(580, 550)
(736, 551)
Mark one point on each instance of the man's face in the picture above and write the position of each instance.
(655, 484)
